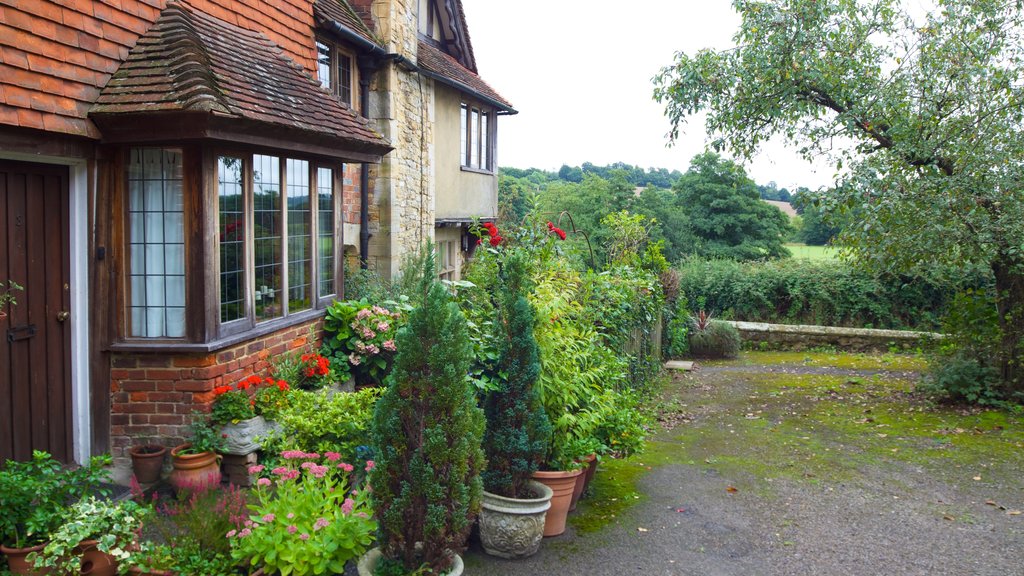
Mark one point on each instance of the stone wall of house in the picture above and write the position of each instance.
(402, 105)
(153, 394)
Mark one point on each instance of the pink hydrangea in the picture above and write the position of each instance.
(355, 359)
(383, 326)
(368, 334)
(389, 345)
(366, 313)
(372, 349)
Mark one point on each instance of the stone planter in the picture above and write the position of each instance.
(147, 462)
(243, 437)
(514, 527)
(368, 564)
(562, 483)
(18, 564)
(194, 471)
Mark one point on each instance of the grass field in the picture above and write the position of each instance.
(812, 252)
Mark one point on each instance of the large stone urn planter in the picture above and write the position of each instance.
(368, 563)
(243, 437)
(514, 527)
(562, 483)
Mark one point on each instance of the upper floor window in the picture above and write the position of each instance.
(337, 71)
(430, 19)
(477, 144)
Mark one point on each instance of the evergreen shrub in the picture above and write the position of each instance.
(427, 431)
(715, 340)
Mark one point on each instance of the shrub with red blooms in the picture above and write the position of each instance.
(254, 396)
(492, 231)
(552, 229)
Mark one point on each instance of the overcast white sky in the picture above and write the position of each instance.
(579, 72)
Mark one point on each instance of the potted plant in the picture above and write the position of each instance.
(309, 516)
(147, 462)
(6, 296)
(197, 463)
(242, 411)
(517, 429)
(427, 430)
(33, 498)
(96, 535)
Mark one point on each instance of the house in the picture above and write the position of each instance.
(182, 183)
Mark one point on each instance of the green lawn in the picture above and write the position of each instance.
(812, 252)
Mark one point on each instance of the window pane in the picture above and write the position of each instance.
(157, 243)
(300, 237)
(232, 239)
(345, 78)
(323, 64)
(325, 222)
(484, 142)
(474, 144)
(267, 297)
(463, 117)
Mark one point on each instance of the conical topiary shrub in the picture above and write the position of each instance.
(518, 430)
(427, 431)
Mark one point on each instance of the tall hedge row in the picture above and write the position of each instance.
(827, 293)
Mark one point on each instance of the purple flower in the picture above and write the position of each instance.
(303, 536)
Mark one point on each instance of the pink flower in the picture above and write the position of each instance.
(369, 465)
(372, 349)
(281, 471)
(307, 465)
(354, 359)
(232, 533)
(363, 515)
(292, 529)
(366, 313)
(245, 532)
(320, 524)
(368, 334)
(317, 471)
(290, 515)
(293, 454)
(249, 523)
(268, 517)
(303, 536)
(263, 482)
(311, 455)
(332, 456)
(383, 326)
(346, 506)
(346, 467)
(253, 470)
(379, 310)
(389, 345)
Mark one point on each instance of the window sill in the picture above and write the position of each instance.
(476, 170)
(171, 346)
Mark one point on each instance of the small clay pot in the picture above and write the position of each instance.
(147, 462)
(18, 564)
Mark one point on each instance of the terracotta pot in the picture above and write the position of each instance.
(562, 483)
(95, 562)
(589, 470)
(17, 563)
(514, 527)
(147, 462)
(194, 471)
(368, 564)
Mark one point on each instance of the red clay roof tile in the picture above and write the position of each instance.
(341, 12)
(449, 70)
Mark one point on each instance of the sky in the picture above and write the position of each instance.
(579, 73)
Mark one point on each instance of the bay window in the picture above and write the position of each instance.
(476, 144)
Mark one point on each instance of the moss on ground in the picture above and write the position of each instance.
(756, 427)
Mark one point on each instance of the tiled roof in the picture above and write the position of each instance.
(448, 70)
(192, 62)
(341, 12)
(471, 56)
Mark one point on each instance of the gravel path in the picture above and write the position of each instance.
(888, 517)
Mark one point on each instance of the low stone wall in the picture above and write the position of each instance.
(784, 336)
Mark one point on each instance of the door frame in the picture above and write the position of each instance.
(78, 252)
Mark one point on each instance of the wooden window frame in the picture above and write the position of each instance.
(476, 139)
(336, 51)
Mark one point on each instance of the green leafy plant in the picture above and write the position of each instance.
(517, 430)
(35, 494)
(184, 557)
(113, 525)
(7, 294)
(361, 336)
(205, 437)
(308, 517)
(713, 338)
(427, 431)
(326, 422)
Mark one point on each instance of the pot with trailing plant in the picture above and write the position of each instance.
(427, 430)
(517, 428)
(34, 497)
(147, 462)
(97, 534)
(244, 412)
(196, 464)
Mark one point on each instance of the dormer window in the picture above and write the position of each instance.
(430, 20)
(337, 71)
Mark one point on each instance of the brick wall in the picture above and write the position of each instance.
(154, 394)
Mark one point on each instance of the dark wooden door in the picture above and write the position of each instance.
(35, 337)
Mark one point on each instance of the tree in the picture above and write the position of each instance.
(932, 106)
(726, 214)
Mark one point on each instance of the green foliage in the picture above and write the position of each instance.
(114, 525)
(34, 496)
(676, 343)
(963, 378)
(824, 293)
(517, 430)
(716, 340)
(726, 214)
(427, 431)
(184, 557)
(7, 293)
(931, 104)
(311, 519)
(205, 437)
(624, 426)
(198, 520)
(323, 422)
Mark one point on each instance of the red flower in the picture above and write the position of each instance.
(495, 240)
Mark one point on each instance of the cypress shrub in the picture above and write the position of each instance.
(518, 430)
(427, 430)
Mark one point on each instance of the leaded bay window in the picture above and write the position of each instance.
(477, 142)
(277, 246)
(156, 243)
